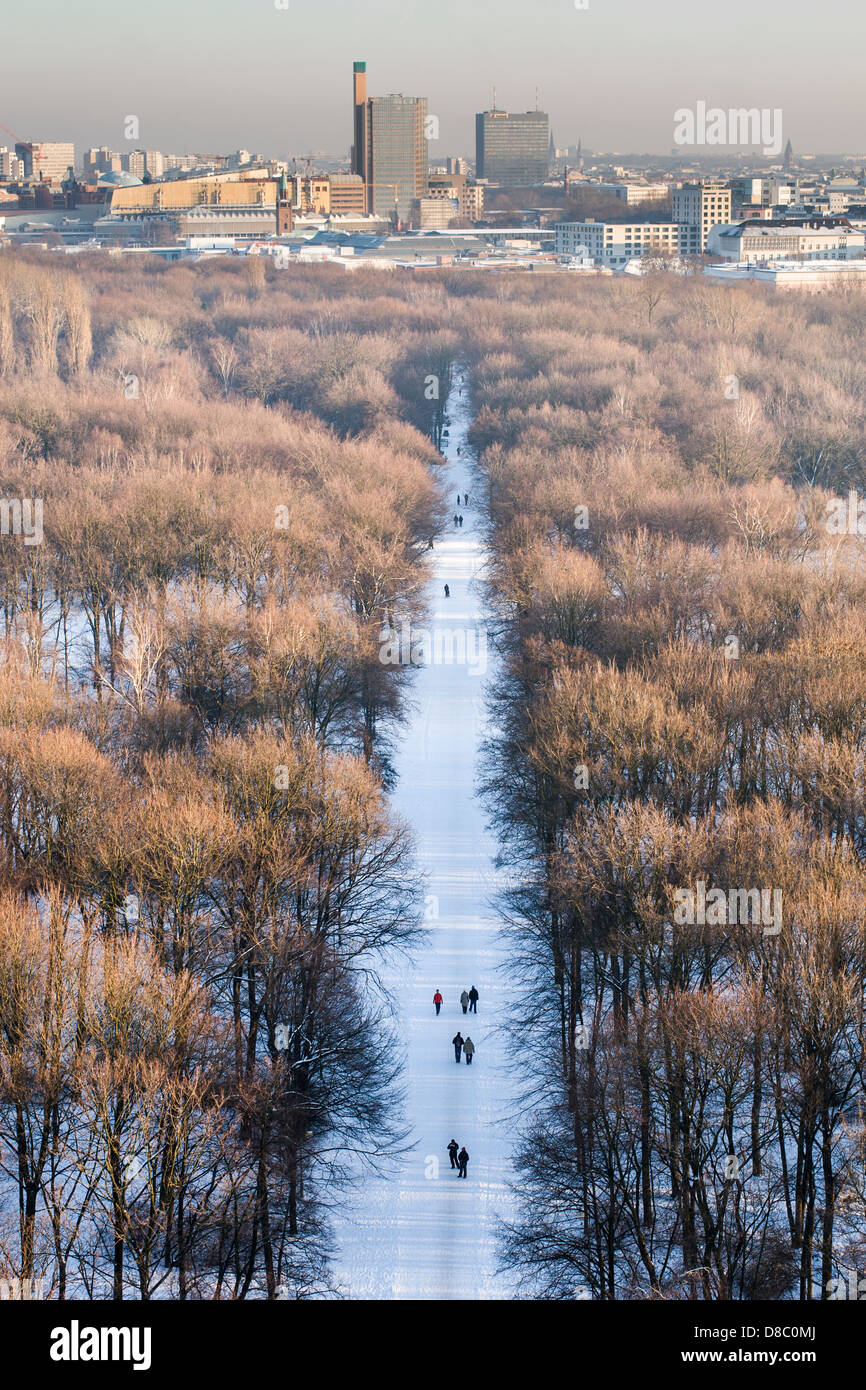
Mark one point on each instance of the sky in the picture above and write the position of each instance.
(218, 75)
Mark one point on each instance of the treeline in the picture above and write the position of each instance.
(215, 500)
(678, 776)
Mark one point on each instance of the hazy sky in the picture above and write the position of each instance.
(216, 75)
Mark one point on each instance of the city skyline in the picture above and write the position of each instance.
(610, 74)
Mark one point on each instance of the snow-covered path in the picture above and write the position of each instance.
(420, 1233)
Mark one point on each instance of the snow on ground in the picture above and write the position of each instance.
(413, 1233)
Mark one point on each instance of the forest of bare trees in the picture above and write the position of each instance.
(201, 870)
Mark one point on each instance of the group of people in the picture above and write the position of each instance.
(468, 1001)
(465, 499)
(458, 520)
(460, 1160)
(466, 1044)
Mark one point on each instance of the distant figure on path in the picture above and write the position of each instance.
(469, 1049)
(458, 499)
(466, 499)
(438, 1001)
(462, 1162)
(464, 1000)
(473, 1000)
(458, 1043)
(447, 592)
(460, 519)
(458, 450)
(452, 1152)
(456, 521)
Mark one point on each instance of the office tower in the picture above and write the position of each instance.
(390, 149)
(512, 148)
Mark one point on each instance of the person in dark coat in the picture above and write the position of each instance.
(458, 1043)
(447, 592)
(460, 519)
(456, 521)
(438, 1001)
(452, 1152)
(469, 1049)
(473, 1000)
(462, 1162)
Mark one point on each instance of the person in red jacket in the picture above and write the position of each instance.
(438, 1001)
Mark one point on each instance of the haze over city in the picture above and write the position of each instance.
(226, 73)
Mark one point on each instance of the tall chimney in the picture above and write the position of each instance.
(359, 96)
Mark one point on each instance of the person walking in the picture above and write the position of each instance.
(458, 499)
(462, 1162)
(458, 1043)
(464, 1001)
(438, 1001)
(447, 592)
(473, 1000)
(452, 1152)
(460, 519)
(456, 520)
(469, 1049)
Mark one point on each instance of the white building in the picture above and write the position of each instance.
(633, 193)
(614, 244)
(812, 277)
(816, 239)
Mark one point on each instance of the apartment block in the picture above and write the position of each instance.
(696, 207)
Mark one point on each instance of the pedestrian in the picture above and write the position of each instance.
(456, 521)
(473, 1000)
(462, 1162)
(464, 1000)
(469, 1049)
(458, 499)
(458, 1043)
(466, 499)
(460, 520)
(452, 1152)
(459, 451)
(447, 592)
(438, 1001)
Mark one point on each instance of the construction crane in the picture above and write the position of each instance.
(36, 156)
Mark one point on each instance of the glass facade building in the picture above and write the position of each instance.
(512, 148)
(395, 154)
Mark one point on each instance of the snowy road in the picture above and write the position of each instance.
(418, 1233)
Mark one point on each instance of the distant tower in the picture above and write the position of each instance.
(579, 155)
(788, 157)
(359, 99)
(552, 150)
(284, 205)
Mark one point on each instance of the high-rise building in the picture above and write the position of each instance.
(697, 207)
(46, 160)
(512, 148)
(390, 148)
